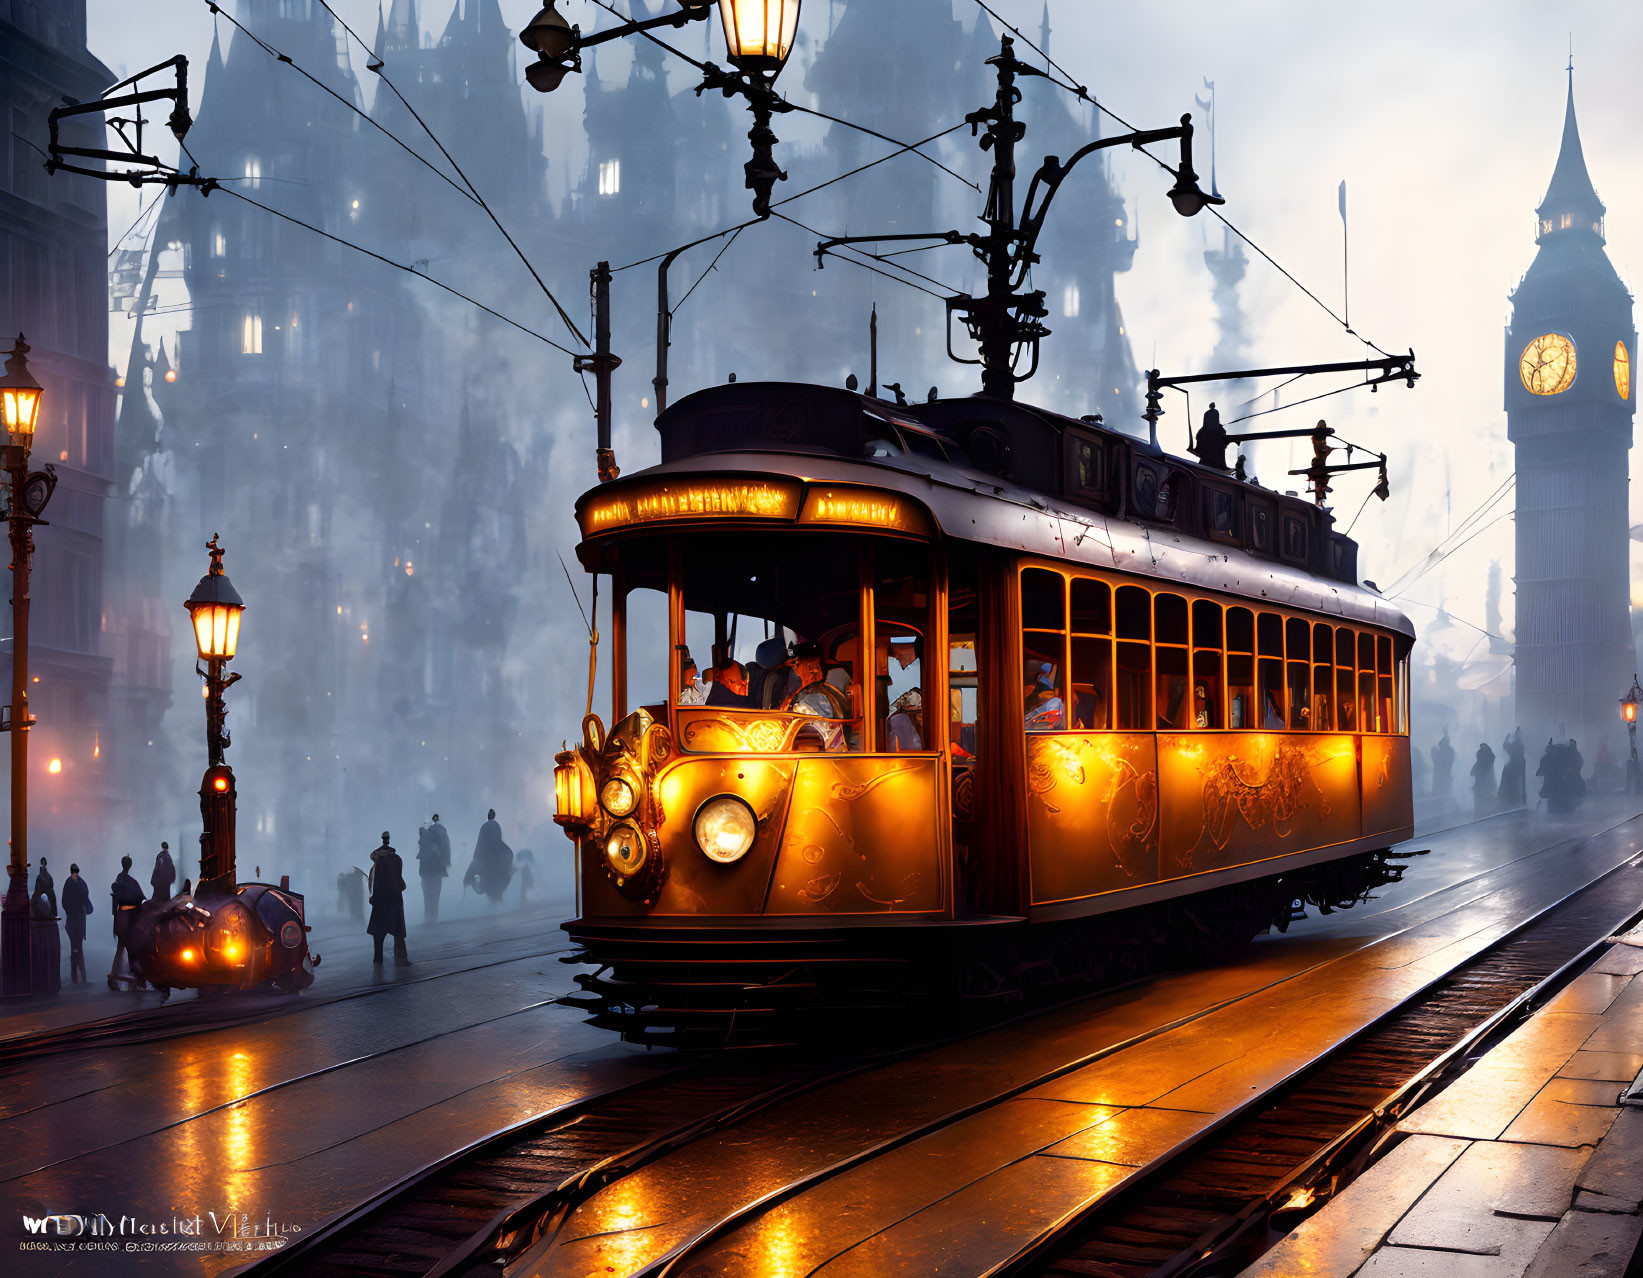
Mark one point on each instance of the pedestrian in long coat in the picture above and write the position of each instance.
(45, 885)
(76, 905)
(165, 874)
(491, 869)
(387, 901)
(433, 856)
(1483, 781)
(127, 896)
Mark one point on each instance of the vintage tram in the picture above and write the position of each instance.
(1012, 692)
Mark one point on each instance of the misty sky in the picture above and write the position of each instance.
(1444, 119)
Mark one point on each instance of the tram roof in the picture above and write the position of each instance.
(752, 432)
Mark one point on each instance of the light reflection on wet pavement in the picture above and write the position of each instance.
(297, 1115)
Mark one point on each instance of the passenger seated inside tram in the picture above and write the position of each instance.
(1046, 712)
(1272, 711)
(729, 687)
(902, 729)
(805, 667)
(692, 691)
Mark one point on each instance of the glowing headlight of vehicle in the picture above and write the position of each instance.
(625, 849)
(617, 797)
(724, 828)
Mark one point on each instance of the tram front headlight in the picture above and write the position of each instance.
(724, 828)
(626, 850)
(617, 797)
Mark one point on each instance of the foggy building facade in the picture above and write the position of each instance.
(54, 287)
(1570, 349)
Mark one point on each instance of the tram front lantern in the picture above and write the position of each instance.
(215, 608)
(19, 397)
(759, 33)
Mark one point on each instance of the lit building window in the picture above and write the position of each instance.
(1567, 221)
(251, 335)
(253, 171)
(219, 245)
(610, 177)
(1069, 301)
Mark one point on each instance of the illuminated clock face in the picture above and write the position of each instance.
(1548, 364)
(1622, 371)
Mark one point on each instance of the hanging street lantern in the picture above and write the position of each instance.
(1628, 715)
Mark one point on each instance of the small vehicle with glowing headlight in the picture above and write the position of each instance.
(1024, 696)
(224, 935)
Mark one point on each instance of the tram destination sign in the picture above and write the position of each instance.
(747, 498)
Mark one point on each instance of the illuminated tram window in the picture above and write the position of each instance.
(1383, 665)
(1240, 668)
(1323, 679)
(1366, 684)
(1132, 612)
(1206, 664)
(1091, 680)
(1345, 699)
(1298, 645)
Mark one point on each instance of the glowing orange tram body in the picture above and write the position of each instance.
(1022, 693)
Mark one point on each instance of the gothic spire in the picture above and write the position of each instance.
(1571, 201)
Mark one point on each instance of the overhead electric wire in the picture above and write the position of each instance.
(478, 199)
(1339, 390)
(809, 190)
(1443, 549)
(409, 270)
(149, 208)
(274, 53)
(466, 189)
(679, 305)
(867, 265)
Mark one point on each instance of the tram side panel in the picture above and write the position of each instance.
(1109, 811)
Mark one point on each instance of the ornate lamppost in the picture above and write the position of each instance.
(758, 37)
(215, 608)
(1628, 712)
(28, 495)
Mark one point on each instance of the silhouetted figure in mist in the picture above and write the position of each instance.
(1211, 445)
(351, 893)
(433, 863)
(76, 905)
(525, 860)
(165, 874)
(1419, 769)
(1561, 786)
(491, 869)
(44, 887)
(126, 895)
(1512, 792)
(1483, 781)
(387, 902)
(1443, 766)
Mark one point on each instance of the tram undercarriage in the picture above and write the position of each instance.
(706, 988)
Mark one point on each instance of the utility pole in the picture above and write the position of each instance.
(602, 364)
(993, 315)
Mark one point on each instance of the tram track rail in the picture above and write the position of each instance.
(1215, 1207)
(487, 1204)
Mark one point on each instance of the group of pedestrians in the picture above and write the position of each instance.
(125, 897)
(1562, 787)
(489, 873)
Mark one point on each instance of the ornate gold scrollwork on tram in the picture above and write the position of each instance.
(615, 803)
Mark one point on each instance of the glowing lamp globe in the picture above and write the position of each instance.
(19, 397)
(759, 33)
(215, 608)
(1629, 702)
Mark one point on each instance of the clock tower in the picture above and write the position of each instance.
(1570, 348)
